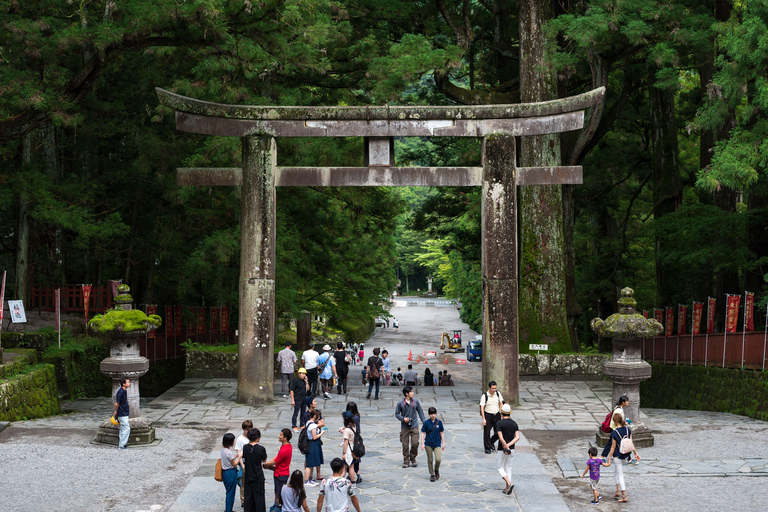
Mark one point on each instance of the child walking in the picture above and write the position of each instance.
(433, 442)
(593, 466)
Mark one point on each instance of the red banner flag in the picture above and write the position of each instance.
(658, 315)
(178, 321)
(86, 299)
(749, 317)
(113, 284)
(670, 321)
(682, 312)
(645, 314)
(732, 313)
(215, 312)
(168, 321)
(711, 314)
(224, 318)
(57, 309)
(201, 320)
(698, 310)
(191, 320)
(151, 310)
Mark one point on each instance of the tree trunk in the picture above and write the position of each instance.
(22, 235)
(667, 191)
(542, 295)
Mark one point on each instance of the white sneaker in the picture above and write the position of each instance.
(285, 396)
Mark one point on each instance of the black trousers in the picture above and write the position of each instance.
(255, 498)
(490, 424)
(341, 383)
(300, 407)
(312, 377)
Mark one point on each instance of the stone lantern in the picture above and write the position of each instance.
(124, 327)
(626, 368)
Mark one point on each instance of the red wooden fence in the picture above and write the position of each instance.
(734, 350)
(42, 299)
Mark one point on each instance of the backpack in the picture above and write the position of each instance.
(374, 372)
(358, 448)
(303, 441)
(605, 426)
(627, 445)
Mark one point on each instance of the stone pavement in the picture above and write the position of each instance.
(572, 468)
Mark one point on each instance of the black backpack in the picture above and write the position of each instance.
(358, 448)
(303, 442)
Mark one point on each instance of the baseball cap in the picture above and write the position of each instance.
(302, 370)
(506, 409)
(346, 415)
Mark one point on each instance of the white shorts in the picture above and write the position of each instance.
(593, 484)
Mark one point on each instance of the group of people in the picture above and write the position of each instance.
(615, 453)
(411, 378)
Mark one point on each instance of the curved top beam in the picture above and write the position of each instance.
(380, 113)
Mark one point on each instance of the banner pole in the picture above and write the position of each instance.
(706, 337)
(744, 329)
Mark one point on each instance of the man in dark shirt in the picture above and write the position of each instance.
(299, 390)
(342, 368)
(254, 456)
(122, 412)
(507, 434)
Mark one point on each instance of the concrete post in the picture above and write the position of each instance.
(499, 262)
(255, 371)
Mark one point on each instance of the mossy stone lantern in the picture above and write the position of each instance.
(124, 327)
(626, 368)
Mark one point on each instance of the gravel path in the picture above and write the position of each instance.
(62, 471)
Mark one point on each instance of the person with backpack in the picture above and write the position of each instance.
(326, 369)
(490, 405)
(314, 446)
(350, 439)
(406, 411)
(608, 424)
(433, 443)
(373, 372)
(353, 413)
(622, 447)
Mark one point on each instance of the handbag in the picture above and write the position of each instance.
(217, 473)
(626, 446)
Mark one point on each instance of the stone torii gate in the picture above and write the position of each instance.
(257, 126)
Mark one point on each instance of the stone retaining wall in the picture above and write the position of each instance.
(26, 356)
(562, 364)
(30, 395)
(203, 364)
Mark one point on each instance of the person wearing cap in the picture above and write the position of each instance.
(507, 434)
(286, 358)
(328, 364)
(309, 360)
(299, 391)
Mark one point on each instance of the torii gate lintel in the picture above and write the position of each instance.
(497, 125)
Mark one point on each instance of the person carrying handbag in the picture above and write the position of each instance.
(621, 448)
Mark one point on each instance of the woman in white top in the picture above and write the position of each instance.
(230, 458)
(293, 495)
(347, 444)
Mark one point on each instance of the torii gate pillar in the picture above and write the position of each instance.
(255, 370)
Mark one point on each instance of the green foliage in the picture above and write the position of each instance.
(699, 388)
(202, 347)
(124, 321)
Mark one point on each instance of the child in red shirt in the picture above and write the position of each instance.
(281, 464)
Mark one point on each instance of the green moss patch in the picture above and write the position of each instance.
(124, 321)
(29, 394)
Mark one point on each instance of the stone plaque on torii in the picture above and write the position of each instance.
(497, 125)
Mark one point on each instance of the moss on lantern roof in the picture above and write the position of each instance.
(133, 320)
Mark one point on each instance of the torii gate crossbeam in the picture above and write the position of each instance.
(497, 125)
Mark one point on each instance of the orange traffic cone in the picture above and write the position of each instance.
(418, 358)
(424, 352)
(410, 356)
(425, 361)
(446, 360)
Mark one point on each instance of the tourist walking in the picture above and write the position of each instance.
(326, 366)
(122, 412)
(373, 372)
(337, 491)
(433, 443)
(353, 413)
(309, 359)
(286, 358)
(490, 403)
(299, 392)
(361, 353)
(348, 441)
(406, 411)
(386, 368)
(429, 379)
(281, 464)
(410, 377)
(230, 458)
(507, 434)
(615, 456)
(593, 466)
(342, 368)
(621, 403)
(293, 495)
(314, 458)
(253, 480)
(396, 324)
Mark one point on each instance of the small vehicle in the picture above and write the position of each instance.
(451, 344)
(475, 349)
(380, 322)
